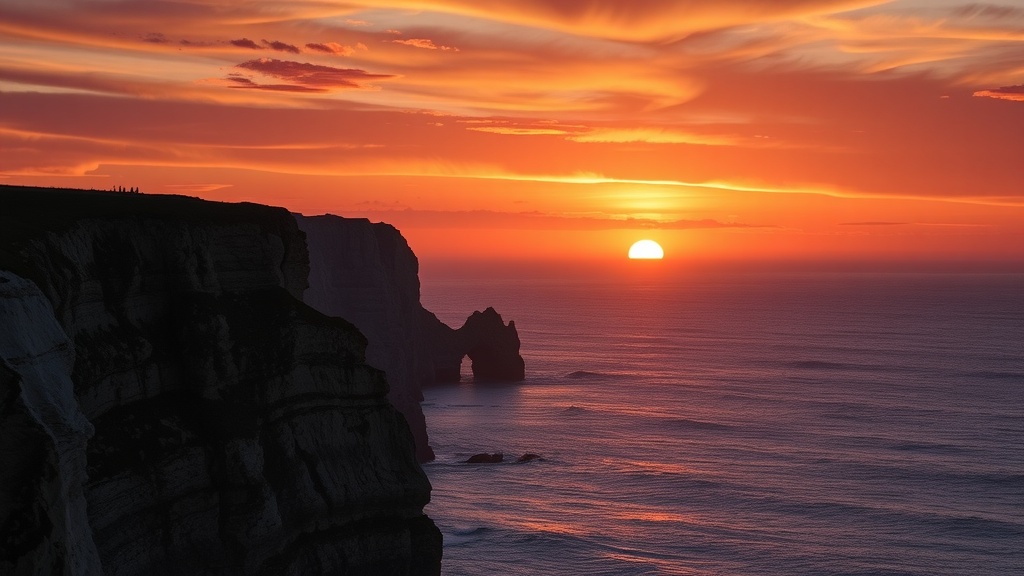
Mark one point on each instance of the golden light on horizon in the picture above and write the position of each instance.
(646, 250)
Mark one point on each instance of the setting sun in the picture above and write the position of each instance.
(646, 250)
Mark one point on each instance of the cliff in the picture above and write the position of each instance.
(367, 274)
(169, 405)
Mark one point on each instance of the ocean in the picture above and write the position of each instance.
(737, 424)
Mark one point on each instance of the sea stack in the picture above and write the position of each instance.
(491, 345)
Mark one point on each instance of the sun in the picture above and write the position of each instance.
(646, 250)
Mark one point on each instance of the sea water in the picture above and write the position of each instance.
(738, 424)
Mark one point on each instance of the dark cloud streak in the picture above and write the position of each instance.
(243, 82)
(281, 46)
(311, 76)
(320, 48)
(246, 43)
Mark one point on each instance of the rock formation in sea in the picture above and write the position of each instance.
(169, 404)
(491, 345)
(366, 273)
(485, 458)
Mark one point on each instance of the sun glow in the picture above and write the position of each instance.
(646, 250)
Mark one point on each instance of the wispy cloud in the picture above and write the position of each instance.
(989, 11)
(196, 188)
(519, 130)
(489, 219)
(426, 44)
(1015, 93)
(653, 136)
(637, 20)
(874, 223)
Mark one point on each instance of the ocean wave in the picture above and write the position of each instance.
(939, 525)
(588, 375)
(997, 375)
(974, 527)
(926, 447)
(822, 365)
(688, 424)
(614, 376)
(1015, 481)
(831, 366)
(461, 536)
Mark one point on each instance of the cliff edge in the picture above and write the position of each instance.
(169, 405)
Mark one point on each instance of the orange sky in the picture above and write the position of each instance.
(727, 130)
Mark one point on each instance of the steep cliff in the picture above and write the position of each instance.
(235, 430)
(367, 274)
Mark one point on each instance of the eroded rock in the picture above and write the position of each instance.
(491, 345)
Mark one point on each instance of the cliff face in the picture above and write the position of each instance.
(367, 274)
(234, 429)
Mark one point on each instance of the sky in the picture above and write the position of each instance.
(827, 132)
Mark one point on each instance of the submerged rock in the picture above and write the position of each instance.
(529, 457)
(485, 458)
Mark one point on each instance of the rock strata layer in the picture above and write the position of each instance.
(169, 405)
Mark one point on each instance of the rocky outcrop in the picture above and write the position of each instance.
(367, 274)
(235, 430)
(491, 345)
